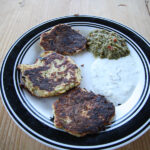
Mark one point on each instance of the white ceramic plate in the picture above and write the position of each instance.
(35, 116)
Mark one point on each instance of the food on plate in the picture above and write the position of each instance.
(52, 74)
(116, 79)
(107, 44)
(80, 112)
(63, 39)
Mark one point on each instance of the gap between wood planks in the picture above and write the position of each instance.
(147, 6)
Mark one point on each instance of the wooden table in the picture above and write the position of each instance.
(17, 16)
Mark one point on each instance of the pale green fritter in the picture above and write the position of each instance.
(51, 75)
(107, 44)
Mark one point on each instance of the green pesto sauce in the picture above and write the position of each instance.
(107, 44)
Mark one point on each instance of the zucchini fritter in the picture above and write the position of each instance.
(52, 74)
(80, 112)
(63, 39)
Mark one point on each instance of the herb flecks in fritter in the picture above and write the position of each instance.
(63, 39)
(80, 112)
(51, 75)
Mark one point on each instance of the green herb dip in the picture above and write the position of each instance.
(107, 44)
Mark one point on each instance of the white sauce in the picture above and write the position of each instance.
(115, 79)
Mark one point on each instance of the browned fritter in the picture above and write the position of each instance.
(80, 112)
(63, 39)
(52, 74)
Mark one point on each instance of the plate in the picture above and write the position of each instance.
(35, 116)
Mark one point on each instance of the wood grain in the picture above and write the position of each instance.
(17, 16)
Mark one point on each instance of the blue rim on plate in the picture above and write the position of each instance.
(130, 129)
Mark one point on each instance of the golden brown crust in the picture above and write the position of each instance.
(51, 75)
(80, 112)
(63, 39)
